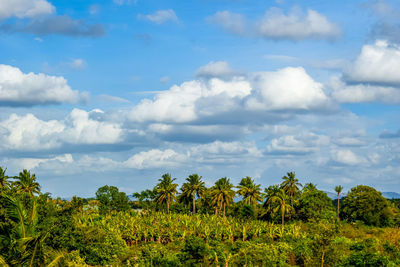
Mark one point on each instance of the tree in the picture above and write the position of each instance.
(250, 192)
(366, 204)
(314, 204)
(291, 185)
(3, 179)
(166, 190)
(338, 190)
(25, 182)
(283, 206)
(194, 186)
(110, 199)
(222, 194)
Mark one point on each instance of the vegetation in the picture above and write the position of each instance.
(285, 226)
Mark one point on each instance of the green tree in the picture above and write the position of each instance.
(166, 190)
(338, 190)
(4, 183)
(25, 182)
(314, 204)
(194, 186)
(282, 199)
(366, 204)
(291, 185)
(110, 199)
(250, 192)
(222, 194)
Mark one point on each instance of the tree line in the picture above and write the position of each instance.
(287, 224)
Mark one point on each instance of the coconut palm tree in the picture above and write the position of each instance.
(283, 204)
(291, 185)
(3, 179)
(250, 192)
(25, 182)
(338, 190)
(222, 194)
(194, 186)
(166, 190)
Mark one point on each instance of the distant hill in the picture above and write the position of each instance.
(388, 195)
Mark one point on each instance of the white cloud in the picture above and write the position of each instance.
(228, 21)
(288, 88)
(216, 69)
(28, 133)
(155, 158)
(160, 16)
(20, 89)
(347, 157)
(296, 25)
(25, 8)
(298, 144)
(218, 148)
(357, 93)
(377, 63)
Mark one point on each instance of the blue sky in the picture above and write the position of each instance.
(119, 92)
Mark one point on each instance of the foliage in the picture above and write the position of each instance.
(110, 199)
(364, 203)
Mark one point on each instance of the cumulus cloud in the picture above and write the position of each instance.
(347, 157)
(229, 22)
(377, 63)
(160, 16)
(296, 25)
(20, 89)
(28, 133)
(357, 93)
(288, 89)
(63, 25)
(25, 8)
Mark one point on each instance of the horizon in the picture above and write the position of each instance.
(119, 92)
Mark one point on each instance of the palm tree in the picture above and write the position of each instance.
(194, 186)
(3, 179)
(166, 190)
(282, 199)
(222, 194)
(250, 192)
(338, 190)
(27, 183)
(291, 185)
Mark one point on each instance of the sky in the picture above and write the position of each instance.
(119, 92)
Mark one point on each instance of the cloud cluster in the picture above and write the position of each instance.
(25, 8)
(28, 133)
(377, 63)
(28, 89)
(285, 90)
(294, 26)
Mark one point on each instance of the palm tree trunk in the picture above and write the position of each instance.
(194, 203)
(283, 218)
(224, 209)
(338, 207)
(168, 206)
